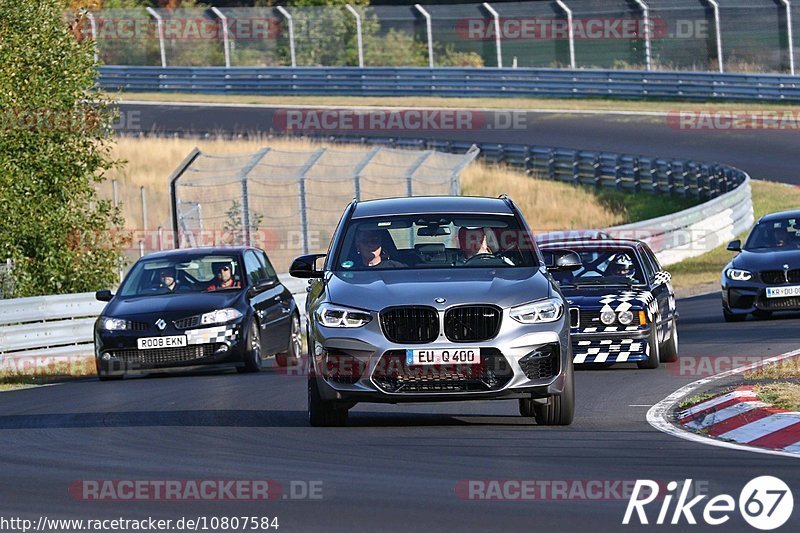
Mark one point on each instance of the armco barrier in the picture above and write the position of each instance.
(455, 82)
(62, 326)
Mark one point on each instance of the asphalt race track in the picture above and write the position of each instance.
(764, 153)
(394, 468)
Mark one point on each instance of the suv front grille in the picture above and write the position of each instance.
(163, 356)
(777, 277)
(413, 325)
(542, 363)
(472, 323)
(392, 374)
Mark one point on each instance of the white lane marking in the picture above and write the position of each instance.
(716, 401)
(397, 108)
(762, 428)
(641, 405)
(715, 417)
(657, 416)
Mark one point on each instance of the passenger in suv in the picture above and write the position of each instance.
(426, 326)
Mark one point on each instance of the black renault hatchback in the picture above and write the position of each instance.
(185, 308)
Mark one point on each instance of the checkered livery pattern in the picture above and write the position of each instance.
(216, 334)
(610, 350)
(624, 301)
(662, 277)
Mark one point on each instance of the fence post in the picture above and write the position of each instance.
(301, 184)
(571, 30)
(245, 195)
(497, 39)
(290, 22)
(359, 38)
(360, 167)
(412, 169)
(93, 29)
(790, 33)
(647, 35)
(715, 6)
(173, 192)
(114, 193)
(160, 26)
(144, 208)
(429, 30)
(226, 45)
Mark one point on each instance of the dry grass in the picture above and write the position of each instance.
(780, 395)
(19, 372)
(783, 369)
(547, 205)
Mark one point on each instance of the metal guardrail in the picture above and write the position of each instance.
(63, 326)
(455, 82)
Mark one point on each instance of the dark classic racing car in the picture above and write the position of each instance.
(765, 276)
(622, 305)
(201, 306)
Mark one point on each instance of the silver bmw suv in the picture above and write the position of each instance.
(436, 299)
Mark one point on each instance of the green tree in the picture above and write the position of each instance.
(55, 142)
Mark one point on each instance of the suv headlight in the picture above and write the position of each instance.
(336, 316)
(114, 324)
(219, 316)
(543, 311)
(738, 275)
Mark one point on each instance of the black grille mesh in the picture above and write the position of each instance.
(542, 363)
(472, 323)
(793, 302)
(163, 356)
(188, 322)
(392, 374)
(413, 325)
(777, 277)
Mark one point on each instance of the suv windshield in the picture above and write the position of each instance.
(618, 266)
(435, 241)
(183, 273)
(779, 234)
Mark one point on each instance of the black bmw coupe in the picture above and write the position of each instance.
(764, 277)
(185, 308)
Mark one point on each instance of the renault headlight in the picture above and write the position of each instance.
(543, 311)
(337, 316)
(739, 275)
(114, 324)
(219, 316)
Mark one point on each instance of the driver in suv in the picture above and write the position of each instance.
(426, 327)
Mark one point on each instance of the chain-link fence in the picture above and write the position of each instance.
(731, 35)
(289, 202)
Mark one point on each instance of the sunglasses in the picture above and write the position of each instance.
(220, 269)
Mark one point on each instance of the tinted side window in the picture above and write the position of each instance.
(649, 267)
(268, 269)
(255, 270)
(653, 259)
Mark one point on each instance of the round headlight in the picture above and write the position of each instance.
(608, 317)
(625, 318)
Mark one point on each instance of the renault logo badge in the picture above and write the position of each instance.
(160, 324)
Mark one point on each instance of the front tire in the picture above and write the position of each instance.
(323, 413)
(653, 357)
(252, 357)
(292, 355)
(559, 409)
(669, 352)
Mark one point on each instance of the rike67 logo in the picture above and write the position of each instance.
(765, 503)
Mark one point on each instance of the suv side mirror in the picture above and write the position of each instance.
(735, 246)
(305, 266)
(103, 295)
(566, 261)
